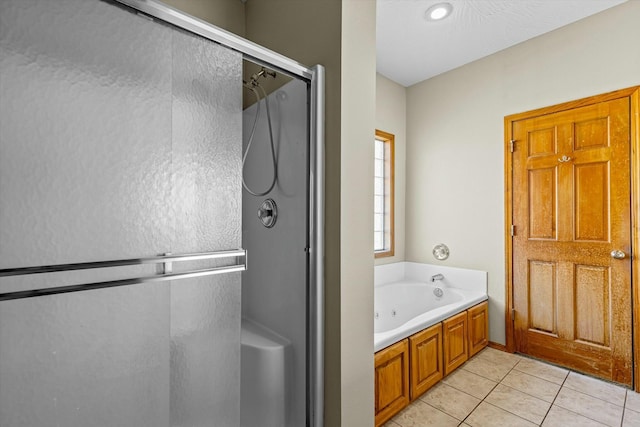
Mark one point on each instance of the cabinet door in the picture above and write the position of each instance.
(478, 317)
(426, 359)
(455, 342)
(391, 381)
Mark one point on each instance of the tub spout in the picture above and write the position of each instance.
(437, 277)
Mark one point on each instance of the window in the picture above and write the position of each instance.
(383, 195)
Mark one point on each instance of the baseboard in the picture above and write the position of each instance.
(497, 346)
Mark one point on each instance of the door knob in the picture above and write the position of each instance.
(618, 254)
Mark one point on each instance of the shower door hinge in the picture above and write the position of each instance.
(512, 145)
(513, 230)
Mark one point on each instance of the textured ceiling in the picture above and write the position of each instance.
(411, 49)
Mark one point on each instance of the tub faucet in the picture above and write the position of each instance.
(437, 277)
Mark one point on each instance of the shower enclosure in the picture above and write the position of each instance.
(138, 285)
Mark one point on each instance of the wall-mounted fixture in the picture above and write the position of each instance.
(268, 213)
(440, 252)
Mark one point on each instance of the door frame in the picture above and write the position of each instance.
(633, 93)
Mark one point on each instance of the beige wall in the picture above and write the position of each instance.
(455, 136)
(358, 112)
(226, 14)
(391, 115)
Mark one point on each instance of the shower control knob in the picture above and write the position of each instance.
(264, 213)
(268, 213)
(618, 254)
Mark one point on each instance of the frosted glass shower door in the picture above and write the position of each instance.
(120, 138)
(206, 312)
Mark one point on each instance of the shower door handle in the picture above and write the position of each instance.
(166, 275)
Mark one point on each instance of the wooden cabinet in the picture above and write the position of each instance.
(391, 381)
(426, 359)
(454, 341)
(410, 367)
(478, 318)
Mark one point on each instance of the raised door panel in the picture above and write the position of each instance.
(542, 203)
(542, 297)
(426, 359)
(591, 209)
(391, 381)
(454, 342)
(592, 304)
(478, 318)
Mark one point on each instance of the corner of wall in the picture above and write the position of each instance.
(358, 58)
(391, 105)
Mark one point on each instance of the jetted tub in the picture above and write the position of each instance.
(405, 302)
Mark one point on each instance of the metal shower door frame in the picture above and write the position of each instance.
(315, 77)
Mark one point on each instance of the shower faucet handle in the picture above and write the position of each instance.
(268, 213)
(264, 213)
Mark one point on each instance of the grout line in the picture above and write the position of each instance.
(624, 408)
(529, 394)
(554, 398)
(552, 403)
(483, 399)
(539, 377)
(509, 412)
(588, 395)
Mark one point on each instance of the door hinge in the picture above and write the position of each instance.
(512, 145)
(513, 230)
(513, 314)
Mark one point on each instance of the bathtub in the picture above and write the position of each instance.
(405, 302)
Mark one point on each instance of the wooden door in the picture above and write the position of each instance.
(571, 209)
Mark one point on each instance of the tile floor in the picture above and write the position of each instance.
(496, 389)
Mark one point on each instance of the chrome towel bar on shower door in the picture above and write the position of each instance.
(167, 260)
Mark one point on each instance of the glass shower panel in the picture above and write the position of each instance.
(81, 179)
(116, 141)
(85, 150)
(205, 312)
(89, 358)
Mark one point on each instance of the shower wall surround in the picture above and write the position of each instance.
(274, 288)
(119, 138)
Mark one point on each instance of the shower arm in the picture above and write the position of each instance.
(262, 73)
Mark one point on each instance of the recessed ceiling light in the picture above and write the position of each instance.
(438, 12)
